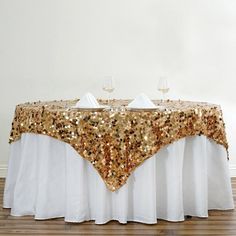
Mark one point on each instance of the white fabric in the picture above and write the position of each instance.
(87, 101)
(47, 178)
(142, 100)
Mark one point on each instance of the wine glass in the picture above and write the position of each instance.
(108, 86)
(163, 86)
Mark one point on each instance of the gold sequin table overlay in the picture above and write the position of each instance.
(116, 143)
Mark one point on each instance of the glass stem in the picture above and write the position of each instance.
(108, 99)
(164, 96)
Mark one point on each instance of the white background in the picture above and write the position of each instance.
(60, 49)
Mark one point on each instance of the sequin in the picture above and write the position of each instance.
(117, 142)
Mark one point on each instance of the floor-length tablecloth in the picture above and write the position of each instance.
(47, 178)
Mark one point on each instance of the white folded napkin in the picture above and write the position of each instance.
(141, 101)
(87, 101)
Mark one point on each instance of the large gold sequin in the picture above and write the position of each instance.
(117, 142)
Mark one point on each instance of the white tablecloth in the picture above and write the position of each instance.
(47, 178)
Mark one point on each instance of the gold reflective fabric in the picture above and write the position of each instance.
(117, 142)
